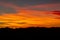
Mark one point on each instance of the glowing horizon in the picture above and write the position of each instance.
(27, 17)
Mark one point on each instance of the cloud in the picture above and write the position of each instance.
(26, 17)
(8, 8)
(41, 7)
(44, 7)
(30, 2)
(56, 12)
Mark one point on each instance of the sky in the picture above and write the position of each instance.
(31, 4)
(28, 13)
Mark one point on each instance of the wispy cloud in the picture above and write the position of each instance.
(26, 17)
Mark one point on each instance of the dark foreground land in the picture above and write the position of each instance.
(30, 31)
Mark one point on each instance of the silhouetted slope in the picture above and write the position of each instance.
(29, 31)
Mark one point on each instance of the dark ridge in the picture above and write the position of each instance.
(30, 31)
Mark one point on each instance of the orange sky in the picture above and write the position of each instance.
(27, 18)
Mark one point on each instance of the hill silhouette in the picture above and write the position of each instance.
(31, 30)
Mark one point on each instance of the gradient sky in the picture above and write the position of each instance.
(30, 13)
(35, 5)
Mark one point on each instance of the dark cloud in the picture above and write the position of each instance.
(6, 10)
(24, 3)
(31, 2)
(9, 10)
(22, 23)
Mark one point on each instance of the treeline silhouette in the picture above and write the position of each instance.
(30, 30)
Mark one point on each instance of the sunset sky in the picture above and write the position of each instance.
(28, 13)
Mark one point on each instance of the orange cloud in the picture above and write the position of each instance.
(27, 18)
